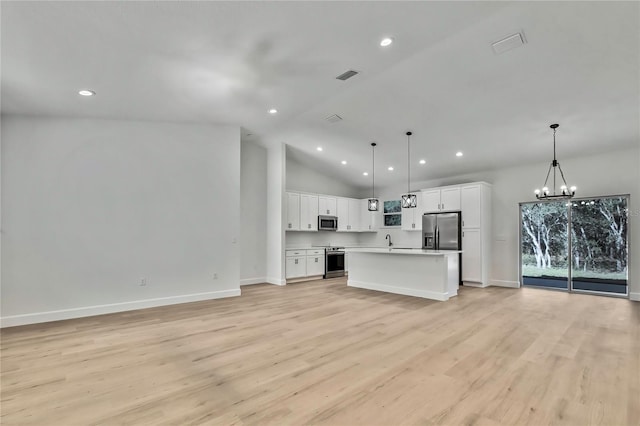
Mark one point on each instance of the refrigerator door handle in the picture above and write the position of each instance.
(437, 238)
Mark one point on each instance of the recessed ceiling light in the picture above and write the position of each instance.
(459, 154)
(273, 111)
(365, 174)
(386, 41)
(319, 148)
(390, 168)
(85, 92)
(423, 161)
(343, 162)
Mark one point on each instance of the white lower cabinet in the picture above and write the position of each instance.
(304, 263)
(296, 266)
(315, 265)
(472, 256)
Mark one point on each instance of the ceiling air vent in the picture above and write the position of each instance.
(347, 75)
(334, 118)
(508, 43)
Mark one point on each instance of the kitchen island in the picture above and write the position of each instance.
(431, 274)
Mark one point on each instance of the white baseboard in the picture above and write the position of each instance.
(473, 284)
(399, 290)
(502, 283)
(634, 296)
(250, 281)
(88, 311)
(276, 281)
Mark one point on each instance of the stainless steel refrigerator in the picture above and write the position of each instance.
(443, 231)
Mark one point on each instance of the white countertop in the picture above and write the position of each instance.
(399, 250)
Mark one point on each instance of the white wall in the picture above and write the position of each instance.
(91, 207)
(304, 179)
(276, 172)
(253, 229)
(616, 172)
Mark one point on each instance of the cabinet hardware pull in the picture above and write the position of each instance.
(289, 225)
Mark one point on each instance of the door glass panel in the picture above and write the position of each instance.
(544, 244)
(599, 245)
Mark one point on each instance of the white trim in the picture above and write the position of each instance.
(473, 284)
(87, 311)
(399, 290)
(276, 281)
(250, 281)
(634, 296)
(502, 283)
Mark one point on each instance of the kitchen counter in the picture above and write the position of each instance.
(402, 250)
(430, 274)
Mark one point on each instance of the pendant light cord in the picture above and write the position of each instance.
(373, 170)
(408, 163)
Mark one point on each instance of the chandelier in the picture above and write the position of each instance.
(565, 192)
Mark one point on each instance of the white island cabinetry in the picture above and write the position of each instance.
(412, 272)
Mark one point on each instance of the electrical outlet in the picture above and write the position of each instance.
(215, 276)
(143, 281)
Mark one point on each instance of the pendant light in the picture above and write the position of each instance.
(409, 200)
(373, 201)
(545, 194)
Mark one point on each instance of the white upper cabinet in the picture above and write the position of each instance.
(471, 206)
(368, 220)
(412, 218)
(293, 212)
(354, 215)
(327, 206)
(431, 200)
(450, 199)
(302, 212)
(342, 212)
(308, 212)
(441, 199)
(348, 212)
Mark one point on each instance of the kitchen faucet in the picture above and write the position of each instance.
(388, 237)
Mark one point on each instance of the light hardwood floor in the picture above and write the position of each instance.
(323, 353)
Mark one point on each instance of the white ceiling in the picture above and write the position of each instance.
(229, 62)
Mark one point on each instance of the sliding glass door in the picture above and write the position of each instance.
(599, 245)
(593, 231)
(544, 245)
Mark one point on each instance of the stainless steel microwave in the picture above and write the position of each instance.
(327, 223)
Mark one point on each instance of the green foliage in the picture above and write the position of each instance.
(598, 235)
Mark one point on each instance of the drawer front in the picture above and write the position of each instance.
(296, 253)
(315, 252)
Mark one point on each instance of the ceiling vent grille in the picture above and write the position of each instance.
(347, 75)
(508, 43)
(334, 118)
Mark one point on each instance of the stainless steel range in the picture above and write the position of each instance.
(333, 262)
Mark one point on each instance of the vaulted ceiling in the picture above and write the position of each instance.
(229, 62)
